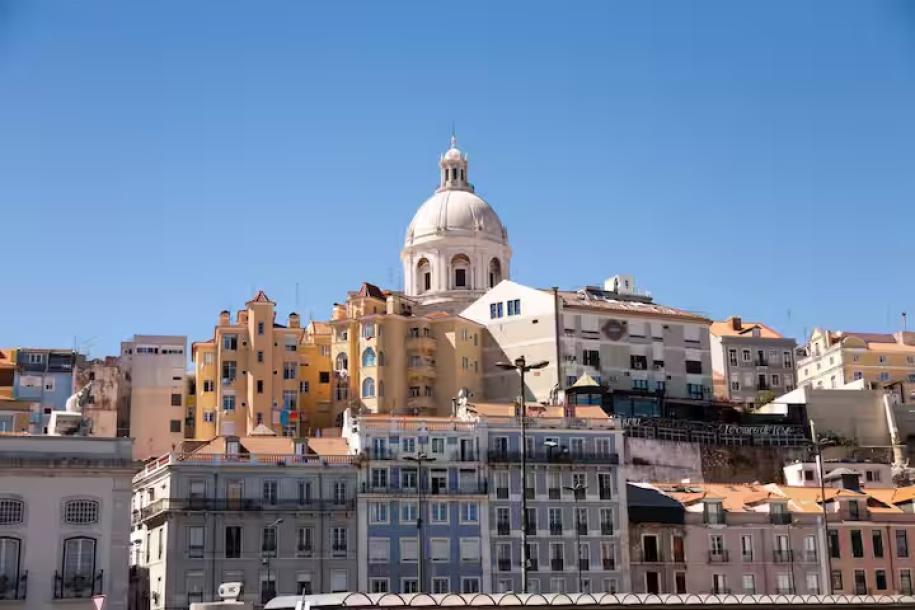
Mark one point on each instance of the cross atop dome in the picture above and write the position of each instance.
(454, 169)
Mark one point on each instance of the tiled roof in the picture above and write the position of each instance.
(260, 297)
(371, 290)
(585, 300)
(725, 328)
(277, 445)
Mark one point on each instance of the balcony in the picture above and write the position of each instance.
(650, 556)
(421, 371)
(505, 565)
(531, 529)
(556, 565)
(782, 556)
(714, 518)
(532, 564)
(555, 529)
(761, 362)
(424, 344)
(605, 493)
(77, 586)
(606, 529)
(582, 529)
(13, 589)
(420, 403)
(608, 563)
(466, 489)
(242, 505)
(718, 557)
(810, 557)
(584, 565)
(554, 493)
(503, 528)
(780, 518)
(303, 550)
(502, 493)
(784, 590)
(339, 549)
(555, 457)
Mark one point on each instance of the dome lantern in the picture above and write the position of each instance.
(454, 169)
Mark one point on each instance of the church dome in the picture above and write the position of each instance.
(456, 212)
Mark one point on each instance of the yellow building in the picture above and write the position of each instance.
(253, 372)
(317, 412)
(831, 359)
(388, 360)
(14, 414)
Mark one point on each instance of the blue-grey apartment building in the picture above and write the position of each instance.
(428, 467)
(44, 377)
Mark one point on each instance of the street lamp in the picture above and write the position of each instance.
(521, 365)
(419, 458)
(271, 587)
(577, 489)
(817, 444)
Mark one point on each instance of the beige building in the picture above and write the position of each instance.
(152, 371)
(107, 406)
(386, 359)
(250, 373)
(64, 521)
(750, 360)
(316, 409)
(831, 359)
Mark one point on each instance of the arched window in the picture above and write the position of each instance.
(460, 272)
(81, 512)
(78, 568)
(9, 565)
(11, 511)
(495, 272)
(368, 388)
(380, 358)
(368, 357)
(342, 362)
(423, 276)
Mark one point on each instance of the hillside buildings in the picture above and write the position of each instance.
(275, 514)
(43, 378)
(64, 520)
(831, 359)
(153, 380)
(387, 358)
(641, 350)
(750, 360)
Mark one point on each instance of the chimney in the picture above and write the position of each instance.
(242, 317)
(339, 312)
(294, 320)
(223, 318)
(736, 323)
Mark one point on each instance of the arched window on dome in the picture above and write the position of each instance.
(423, 276)
(368, 357)
(495, 272)
(368, 388)
(342, 362)
(460, 272)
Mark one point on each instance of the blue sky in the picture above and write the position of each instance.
(161, 160)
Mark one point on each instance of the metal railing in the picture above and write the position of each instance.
(77, 585)
(555, 457)
(606, 528)
(503, 528)
(478, 488)
(505, 565)
(165, 505)
(782, 556)
(14, 589)
(718, 557)
(556, 565)
(555, 529)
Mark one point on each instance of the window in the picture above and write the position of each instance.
(338, 540)
(719, 583)
(209, 385)
(230, 342)
(783, 583)
(289, 400)
(514, 307)
(379, 550)
(880, 580)
(732, 357)
(379, 478)
(714, 512)
(470, 584)
(304, 541)
(368, 330)
(79, 565)
(368, 357)
(746, 355)
(860, 582)
(590, 357)
(233, 542)
(269, 492)
(495, 310)
(81, 512)
(776, 381)
(408, 444)
(174, 425)
(746, 547)
(786, 359)
(408, 550)
(195, 534)
(290, 369)
(695, 390)
(11, 511)
(749, 584)
(9, 564)
(408, 512)
(460, 279)
(470, 549)
(378, 585)
(694, 367)
(268, 541)
(409, 585)
(470, 512)
(857, 544)
(368, 388)
(905, 582)
(834, 551)
(440, 549)
(229, 371)
(438, 512)
(378, 512)
(836, 578)
(324, 377)
(902, 544)
(440, 585)
(176, 400)
(813, 583)
(877, 542)
(884, 376)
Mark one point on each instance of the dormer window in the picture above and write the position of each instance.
(232, 447)
(713, 513)
(854, 510)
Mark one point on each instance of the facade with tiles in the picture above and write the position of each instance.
(572, 536)
(639, 349)
(275, 514)
(750, 359)
(420, 474)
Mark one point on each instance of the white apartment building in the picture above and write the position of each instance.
(620, 337)
(64, 521)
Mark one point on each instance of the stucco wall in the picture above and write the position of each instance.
(661, 461)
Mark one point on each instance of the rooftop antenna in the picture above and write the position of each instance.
(453, 136)
(905, 322)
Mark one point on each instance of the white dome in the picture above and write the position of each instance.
(454, 154)
(456, 212)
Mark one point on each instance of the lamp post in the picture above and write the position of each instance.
(419, 458)
(271, 588)
(520, 364)
(826, 550)
(576, 489)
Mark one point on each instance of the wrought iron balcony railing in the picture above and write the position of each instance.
(555, 457)
(14, 589)
(77, 585)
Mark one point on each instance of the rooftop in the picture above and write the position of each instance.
(602, 300)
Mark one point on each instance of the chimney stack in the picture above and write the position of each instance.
(736, 323)
(294, 320)
(224, 318)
